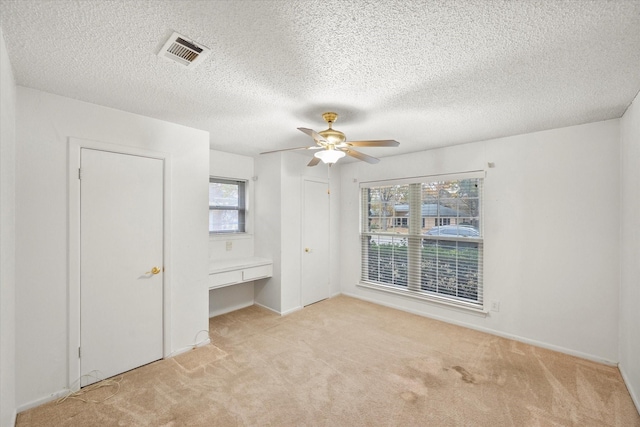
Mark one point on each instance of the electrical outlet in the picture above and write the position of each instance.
(495, 306)
(229, 246)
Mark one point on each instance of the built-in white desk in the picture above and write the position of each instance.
(239, 270)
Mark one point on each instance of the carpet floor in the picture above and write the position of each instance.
(346, 362)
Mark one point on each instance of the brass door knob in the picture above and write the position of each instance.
(154, 270)
(307, 250)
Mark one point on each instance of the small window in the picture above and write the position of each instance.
(443, 221)
(226, 206)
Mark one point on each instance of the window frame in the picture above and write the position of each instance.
(241, 207)
(413, 244)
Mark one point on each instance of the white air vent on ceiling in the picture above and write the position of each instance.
(183, 51)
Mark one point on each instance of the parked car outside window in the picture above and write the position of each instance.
(453, 230)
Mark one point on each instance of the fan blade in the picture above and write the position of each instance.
(375, 143)
(314, 161)
(361, 156)
(313, 134)
(313, 147)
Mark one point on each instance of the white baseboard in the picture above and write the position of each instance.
(292, 310)
(268, 308)
(280, 313)
(630, 389)
(14, 417)
(188, 348)
(491, 331)
(226, 310)
(41, 401)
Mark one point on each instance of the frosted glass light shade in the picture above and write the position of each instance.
(329, 156)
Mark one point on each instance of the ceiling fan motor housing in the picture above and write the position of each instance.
(333, 137)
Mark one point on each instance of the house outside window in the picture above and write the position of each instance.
(423, 237)
(227, 206)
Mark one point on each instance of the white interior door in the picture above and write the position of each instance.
(315, 241)
(121, 241)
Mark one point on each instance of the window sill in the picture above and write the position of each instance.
(422, 297)
(229, 236)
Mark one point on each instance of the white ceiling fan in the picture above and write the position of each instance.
(333, 144)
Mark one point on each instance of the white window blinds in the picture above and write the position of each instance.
(423, 236)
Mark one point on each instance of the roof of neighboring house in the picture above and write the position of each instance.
(430, 209)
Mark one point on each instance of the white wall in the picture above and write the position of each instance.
(551, 235)
(44, 123)
(7, 238)
(279, 228)
(291, 225)
(230, 298)
(335, 238)
(630, 249)
(268, 241)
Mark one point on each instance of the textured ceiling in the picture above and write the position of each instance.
(427, 73)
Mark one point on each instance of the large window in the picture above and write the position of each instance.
(226, 206)
(423, 237)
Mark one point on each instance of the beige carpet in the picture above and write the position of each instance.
(345, 362)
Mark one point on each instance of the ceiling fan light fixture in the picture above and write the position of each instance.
(329, 156)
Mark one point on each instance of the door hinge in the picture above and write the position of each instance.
(78, 352)
(79, 173)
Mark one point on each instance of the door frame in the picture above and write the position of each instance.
(302, 227)
(75, 146)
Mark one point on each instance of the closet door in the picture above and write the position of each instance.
(315, 242)
(121, 262)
